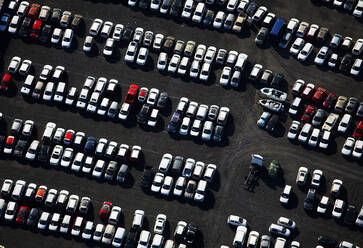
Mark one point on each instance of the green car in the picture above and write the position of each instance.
(274, 168)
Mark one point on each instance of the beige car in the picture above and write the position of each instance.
(341, 103)
(240, 22)
(330, 122)
(66, 19)
(189, 48)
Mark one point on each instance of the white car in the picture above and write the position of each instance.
(285, 195)
(240, 236)
(179, 186)
(207, 130)
(88, 44)
(153, 96)
(160, 223)
(323, 205)
(324, 140)
(321, 56)
(98, 169)
(124, 111)
(167, 186)
(358, 149)
(44, 220)
(305, 133)
(348, 146)
(142, 56)
(7, 187)
(204, 72)
(297, 46)
(32, 150)
(165, 162)
(357, 67)
(294, 130)
(95, 27)
(119, 237)
(235, 220)
(14, 64)
(25, 67)
(67, 38)
(56, 155)
(188, 168)
(108, 49)
(277, 229)
(305, 52)
(183, 66)
(139, 33)
(345, 123)
(98, 233)
(316, 178)
(338, 209)
(174, 63)
(131, 52)
(144, 239)
(114, 215)
(259, 14)
(102, 109)
(314, 138)
(209, 172)
(286, 222)
(56, 36)
(219, 19)
(232, 5)
(358, 10)
(88, 230)
(67, 157)
(185, 126)
(157, 182)
(106, 29)
(162, 61)
(198, 170)
(117, 32)
(333, 61)
(78, 162)
(200, 52)
(225, 76)
(210, 54)
(302, 176)
(194, 69)
(188, 9)
(292, 25)
(158, 41)
(358, 46)
(23, 8)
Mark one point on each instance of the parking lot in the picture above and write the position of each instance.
(226, 195)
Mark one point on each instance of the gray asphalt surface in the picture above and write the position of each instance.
(226, 195)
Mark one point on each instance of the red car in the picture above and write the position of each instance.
(9, 145)
(308, 91)
(34, 10)
(22, 215)
(105, 210)
(142, 94)
(132, 94)
(36, 29)
(5, 82)
(319, 95)
(330, 100)
(358, 132)
(68, 137)
(308, 114)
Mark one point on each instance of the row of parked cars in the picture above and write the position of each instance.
(346, 5)
(189, 117)
(191, 177)
(50, 199)
(41, 23)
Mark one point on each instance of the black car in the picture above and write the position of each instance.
(251, 9)
(2, 142)
(20, 148)
(276, 80)
(90, 145)
(309, 201)
(147, 178)
(177, 166)
(25, 27)
(346, 63)
(327, 241)
(176, 8)
(218, 133)
(44, 153)
(350, 215)
(144, 4)
(163, 100)
(46, 33)
(209, 18)
(55, 17)
(128, 33)
(131, 239)
(272, 123)
(168, 44)
(33, 217)
(144, 114)
(191, 233)
(174, 123)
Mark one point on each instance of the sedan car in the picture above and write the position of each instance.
(302, 176)
(305, 52)
(348, 146)
(316, 178)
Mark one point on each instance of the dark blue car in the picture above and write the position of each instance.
(90, 145)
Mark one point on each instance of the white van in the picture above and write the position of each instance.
(199, 13)
(241, 62)
(280, 243)
(169, 244)
(187, 10)
(88, 84)
(65, 224)
(48, 92)
(18, 190)
(295, 105)
(27, 86)
(59, 93)
(240, 236)
(48, 132)
(101, 85)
